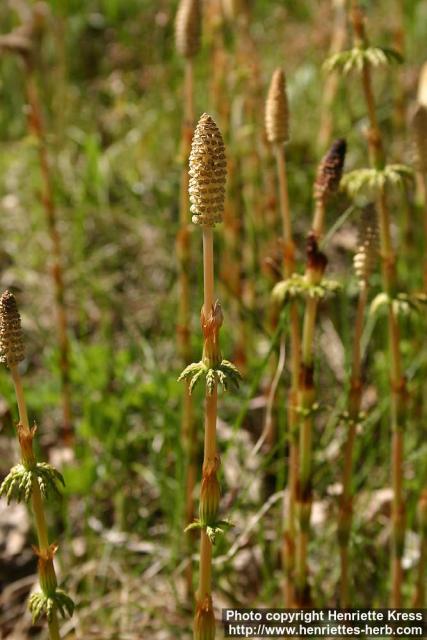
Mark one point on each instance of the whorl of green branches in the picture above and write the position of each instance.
(373, 180)
(354, 59)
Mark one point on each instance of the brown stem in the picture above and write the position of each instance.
(376, 153)
(399, 46)
(339, 36)
(35, 124)
(189, 441)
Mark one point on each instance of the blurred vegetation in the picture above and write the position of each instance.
(110, 83)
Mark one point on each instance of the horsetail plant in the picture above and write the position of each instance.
(187, 36)
(23, 42)
(364, 264)
(362, 58)
(277, 130)
(207, 193)
(313, 287)
(31, 480)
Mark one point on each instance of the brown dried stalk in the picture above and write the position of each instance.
(23, 42)
(338, 40)
(397, 380)
(187, 35)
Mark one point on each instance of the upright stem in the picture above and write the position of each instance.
(397, 383)
(35, 124)
(20, 398)
(318, 219)
(208, 270)
(210, 452)
(211, 401)
(346, 500)
(53, 627)
(39, 516)
(37, 501)
(285, 210)
(339, 36)
(205, 576)
(189, 441)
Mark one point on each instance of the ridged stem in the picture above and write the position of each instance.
(346, 499)
(285, 213)
(208, 271)
(306, 395)
(35, 124)
(205, 578)
(318, 218)
(397, 382)
(36, 497)
(211, 401)
(53, 627)
(189, 442)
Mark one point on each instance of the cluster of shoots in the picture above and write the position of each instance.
(31, 481)
(311, 287)
(208, 169)
(362, 58)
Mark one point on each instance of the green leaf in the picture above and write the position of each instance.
(193, 525)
